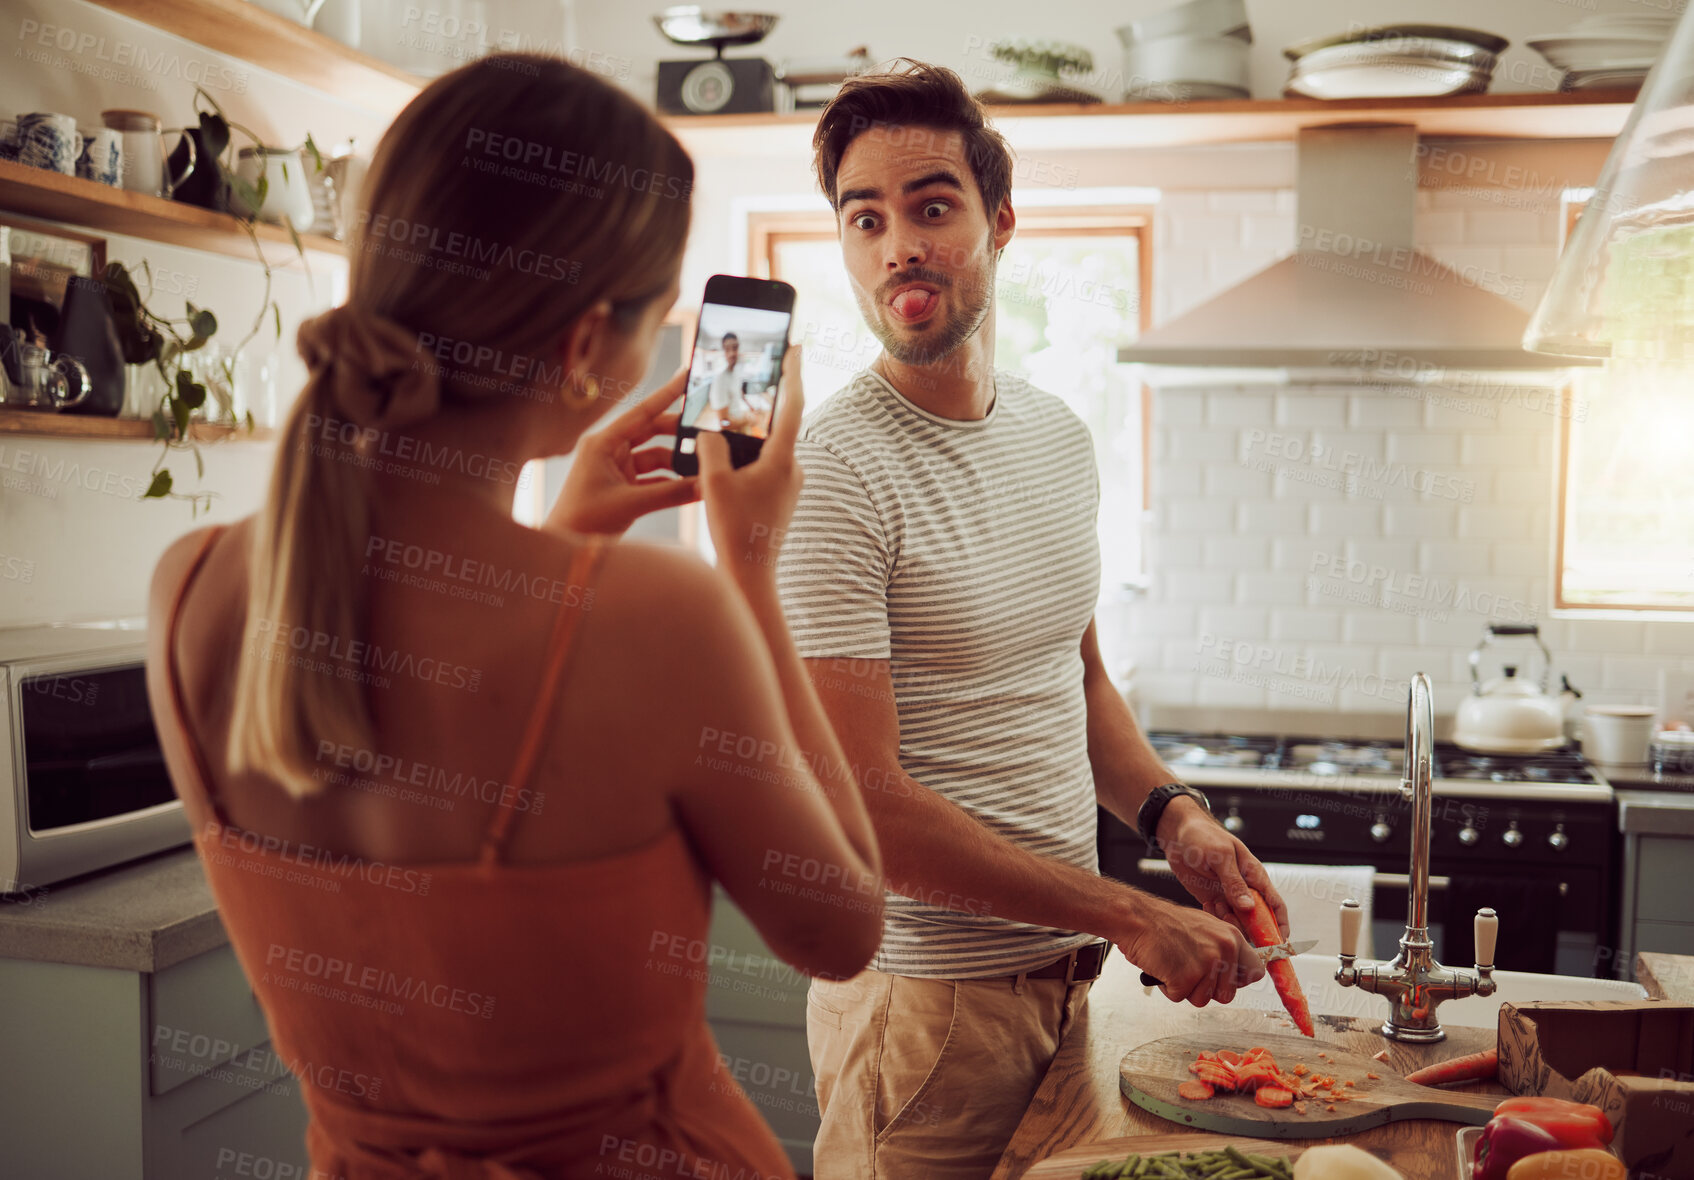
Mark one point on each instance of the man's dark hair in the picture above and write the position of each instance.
(913, 94)
(727, 337)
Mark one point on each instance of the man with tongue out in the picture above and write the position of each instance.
(940, 575)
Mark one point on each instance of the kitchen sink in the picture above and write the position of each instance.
(1328, 998)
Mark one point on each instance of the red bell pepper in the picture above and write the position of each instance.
(1506, 1140)
(1574, 1124)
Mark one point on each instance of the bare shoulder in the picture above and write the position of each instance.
(663, 592)
(173, 569)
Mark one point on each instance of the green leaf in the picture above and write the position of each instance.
(199, 465)
(247, 420)
(317, 156)
(203, 324)
(298, 248)
(159, 488)
(276, 314)
(161, 425)
(181, 410)
(189, 392)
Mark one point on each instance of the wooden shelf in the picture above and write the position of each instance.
(36, 192)
(249, 33)
(1077, 126)
(46, 424)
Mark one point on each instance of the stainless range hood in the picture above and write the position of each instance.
(1356, 295)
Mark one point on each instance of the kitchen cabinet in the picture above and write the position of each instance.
(135, 1074)
(1658, 842)
(756, 1006)
(134, 1049)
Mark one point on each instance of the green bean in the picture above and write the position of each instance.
(1127, 1168)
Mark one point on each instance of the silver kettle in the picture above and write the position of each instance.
(1509, 714)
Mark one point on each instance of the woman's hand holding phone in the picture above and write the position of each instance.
(748, 508)
(611, 484)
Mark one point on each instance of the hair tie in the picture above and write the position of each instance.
(377, 374)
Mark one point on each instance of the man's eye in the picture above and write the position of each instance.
(859, 222)
(941, 205)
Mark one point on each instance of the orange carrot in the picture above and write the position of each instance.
(1374, 1077)
(1469, 1068)
(1274, 1096)
(1195, 1090)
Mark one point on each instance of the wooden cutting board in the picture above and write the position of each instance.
(1150, 1074)
(1072, 1162)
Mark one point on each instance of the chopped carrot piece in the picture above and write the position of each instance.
(1273, 1096)
(1299, 1108)
(1301, 1071)
(1374, 1077)
(1348, 1082)
(1229, 1058)
(1198, 1091)
(1331, 1106)
(1382, 1056)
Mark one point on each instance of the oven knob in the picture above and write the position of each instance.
(1511, 837)
(1558, 839)
(1380, 831)
(1469, 835)
(1233, 823)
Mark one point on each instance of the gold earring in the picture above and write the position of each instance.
(579, 395)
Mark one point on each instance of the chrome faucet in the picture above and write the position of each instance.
(1414, 983)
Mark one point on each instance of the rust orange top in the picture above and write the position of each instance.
(483, 1020)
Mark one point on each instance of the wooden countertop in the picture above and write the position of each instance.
(1079, 1100)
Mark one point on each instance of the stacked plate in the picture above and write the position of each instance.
(1395, 61)
(1610, 51)
(1191, 52)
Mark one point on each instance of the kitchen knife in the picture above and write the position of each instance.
(1267, 954)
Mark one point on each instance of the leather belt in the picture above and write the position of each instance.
(1080, 966)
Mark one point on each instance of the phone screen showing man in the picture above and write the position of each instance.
(737, 363)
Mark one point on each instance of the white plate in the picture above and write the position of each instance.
(1436, 50)
(1603, 79)
(1416, 78)
(1624, 23)
(1599, 53)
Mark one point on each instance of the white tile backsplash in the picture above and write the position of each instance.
(1424, 514)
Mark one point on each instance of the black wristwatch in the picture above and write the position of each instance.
(1153, 809)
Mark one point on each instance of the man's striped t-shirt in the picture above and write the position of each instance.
(965, 554)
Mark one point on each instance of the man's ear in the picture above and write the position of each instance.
(1005, 224)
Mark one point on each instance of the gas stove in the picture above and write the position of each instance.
(1310, 762)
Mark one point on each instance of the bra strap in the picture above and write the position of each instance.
(206, 784)
(580, 578)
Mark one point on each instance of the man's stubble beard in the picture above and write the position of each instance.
(971, 301)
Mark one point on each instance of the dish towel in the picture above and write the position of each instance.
(1314, 893)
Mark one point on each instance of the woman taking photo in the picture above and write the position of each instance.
(461, 786)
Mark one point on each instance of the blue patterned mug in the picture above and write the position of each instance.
(49, 141)
(102, 157)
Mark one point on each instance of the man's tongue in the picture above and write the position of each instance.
(913, 303)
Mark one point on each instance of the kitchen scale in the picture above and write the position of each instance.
(722, 86)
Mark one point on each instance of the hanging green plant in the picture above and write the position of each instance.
(164, 342)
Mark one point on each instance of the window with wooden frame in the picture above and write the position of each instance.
(1072, 288)
(1624, 517)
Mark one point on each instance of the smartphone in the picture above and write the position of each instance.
(735, 368)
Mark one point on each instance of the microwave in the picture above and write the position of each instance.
(85, 785)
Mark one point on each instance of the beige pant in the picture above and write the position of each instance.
(927, 1079)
